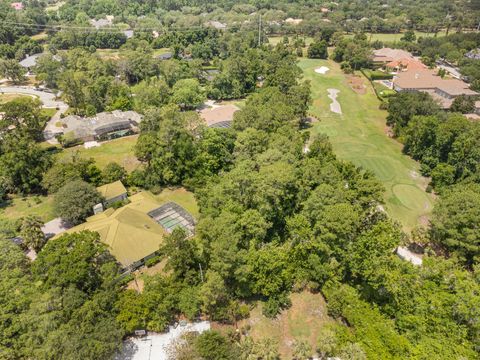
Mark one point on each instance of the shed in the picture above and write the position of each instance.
(113, 192)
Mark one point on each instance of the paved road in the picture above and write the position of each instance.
(49, 101)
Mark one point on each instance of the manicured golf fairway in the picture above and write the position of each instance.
(359, 135)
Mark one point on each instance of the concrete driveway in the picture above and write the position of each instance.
(49, 101)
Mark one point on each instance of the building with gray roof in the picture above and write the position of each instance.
(103, 126)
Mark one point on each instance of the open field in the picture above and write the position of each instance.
(397, 37)
(301, 322)
(359, 135)
(120, 151)
(18, 207)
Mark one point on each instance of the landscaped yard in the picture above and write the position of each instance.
(120, 151)
(359, 135)
(18, 207)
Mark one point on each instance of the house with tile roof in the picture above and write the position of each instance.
(444, 91)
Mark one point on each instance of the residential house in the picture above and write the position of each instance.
(134, 232)
(444, 91)
(113, 192)
(103, 126)
(386, 55)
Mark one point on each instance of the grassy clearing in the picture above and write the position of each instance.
(120, 151)
(4, 98)
(397, 37)
(302, 322)
(359, 136)
(18, 207)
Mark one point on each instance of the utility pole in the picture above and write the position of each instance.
(260, 31)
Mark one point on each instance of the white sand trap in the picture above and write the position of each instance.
(335, 105)
(322, 70)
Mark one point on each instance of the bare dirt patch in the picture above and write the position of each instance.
(357, 84)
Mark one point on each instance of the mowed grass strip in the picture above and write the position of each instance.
(119, 150)
(358, 135)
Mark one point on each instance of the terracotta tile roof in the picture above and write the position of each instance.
(406, 63)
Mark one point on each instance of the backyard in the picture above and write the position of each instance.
(119, 150)
(359, 135)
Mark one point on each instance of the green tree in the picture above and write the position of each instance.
(22, 164)
(113, 172)
(454, 221)
(32, 234)
(212, 345)
(318, 50)
(409, 36)
(463, 104)
(187, 94)
(302, 350)
(74, 201)
(12, 70)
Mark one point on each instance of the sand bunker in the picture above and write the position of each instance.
(335, 105)
(322, 70)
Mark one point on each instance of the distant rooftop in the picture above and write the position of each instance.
(220, 114)
(216, 24)
(30, 61)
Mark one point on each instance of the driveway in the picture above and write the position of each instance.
(49, 101)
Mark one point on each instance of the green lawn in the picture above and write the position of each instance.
(182, 197)
(359, 135)
(18, 207)
(118, 150)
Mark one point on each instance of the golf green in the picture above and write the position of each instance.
(358, 135)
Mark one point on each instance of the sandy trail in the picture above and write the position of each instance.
(335, 105)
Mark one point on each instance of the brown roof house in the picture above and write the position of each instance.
(386, 55)
(442, 90)
(219, 116)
